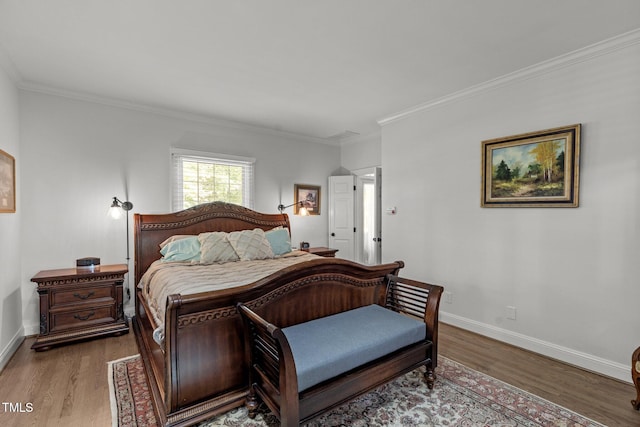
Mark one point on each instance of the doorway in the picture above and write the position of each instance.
(368, 215)
(355, 215)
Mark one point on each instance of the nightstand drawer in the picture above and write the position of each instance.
(63, 320)
(79, 295)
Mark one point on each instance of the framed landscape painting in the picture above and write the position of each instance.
(537, 169)
(7, 183)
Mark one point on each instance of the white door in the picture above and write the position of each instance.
(341, 216)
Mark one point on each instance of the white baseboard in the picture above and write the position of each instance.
(129, 310)
(11, 348)
(30, 330)
(583, 360)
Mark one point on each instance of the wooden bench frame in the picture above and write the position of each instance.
(273, 376)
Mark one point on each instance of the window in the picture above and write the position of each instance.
(206, 177)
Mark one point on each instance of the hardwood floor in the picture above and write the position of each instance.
(67, 386)
(600, 398)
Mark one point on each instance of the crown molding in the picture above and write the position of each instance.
(29, 86)
(604, 47)
(9, 67)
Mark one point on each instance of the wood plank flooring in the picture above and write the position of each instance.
(67, 386)
(600, 398)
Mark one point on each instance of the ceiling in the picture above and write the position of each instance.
(323, 68)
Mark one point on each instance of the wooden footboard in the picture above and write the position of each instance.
(200, 371)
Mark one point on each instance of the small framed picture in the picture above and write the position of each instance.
(308, 197)
(7, 183)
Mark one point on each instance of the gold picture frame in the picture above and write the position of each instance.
(309, 195)
(536, 169)
(7, 183)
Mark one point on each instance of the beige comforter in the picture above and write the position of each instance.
(167, 278)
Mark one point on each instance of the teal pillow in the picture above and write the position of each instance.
(187, 249)
(279, 240)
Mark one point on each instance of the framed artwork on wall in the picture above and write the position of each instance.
(7, 183)
(307, 196)
(536, 169)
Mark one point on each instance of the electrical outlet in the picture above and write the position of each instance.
(448, 297)
(511, 312)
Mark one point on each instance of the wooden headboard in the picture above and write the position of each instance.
(152, 229)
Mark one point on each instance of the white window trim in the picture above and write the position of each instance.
(176, 175)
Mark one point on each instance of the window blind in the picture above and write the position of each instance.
(201, 177)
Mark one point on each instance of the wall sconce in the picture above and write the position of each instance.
(117, 206)
(302, 210)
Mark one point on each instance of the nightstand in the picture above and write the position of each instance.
(78, 303)
(325, 252)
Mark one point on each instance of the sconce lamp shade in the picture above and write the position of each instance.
(117, 206)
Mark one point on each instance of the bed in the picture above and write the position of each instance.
(190, 340)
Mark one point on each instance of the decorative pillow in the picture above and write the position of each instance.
(185, 249)
(215, 248)
(174, 238)
(251, 244)
(279, 240)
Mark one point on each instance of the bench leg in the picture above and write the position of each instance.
(430, 376)
(252, 403)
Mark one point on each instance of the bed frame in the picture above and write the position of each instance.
(200, 371)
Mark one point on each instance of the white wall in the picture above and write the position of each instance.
(572, 274)
(77, 155)
(362, 152)
(11, 332)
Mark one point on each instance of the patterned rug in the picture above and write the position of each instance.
(461, 397)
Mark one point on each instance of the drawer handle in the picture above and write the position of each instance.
(90, 294)
(77, 316)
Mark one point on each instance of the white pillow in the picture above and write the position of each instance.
(215, 248)
(251, 244)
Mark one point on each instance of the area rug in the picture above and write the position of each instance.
(461, 397)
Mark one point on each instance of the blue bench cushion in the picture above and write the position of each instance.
(329, 346)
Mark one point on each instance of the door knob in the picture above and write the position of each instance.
(333, 234)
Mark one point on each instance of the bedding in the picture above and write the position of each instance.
(166, 278)
(251, 244)
(215, 248)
